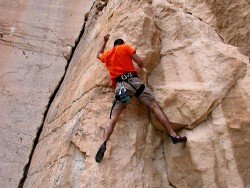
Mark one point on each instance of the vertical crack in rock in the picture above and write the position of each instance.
(52, 97)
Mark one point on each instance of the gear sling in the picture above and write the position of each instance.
(123, 94)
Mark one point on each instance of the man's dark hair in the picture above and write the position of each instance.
(118, 42)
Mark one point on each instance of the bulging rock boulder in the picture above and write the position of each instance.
(196, 69)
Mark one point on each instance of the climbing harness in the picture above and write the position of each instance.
(123, 95)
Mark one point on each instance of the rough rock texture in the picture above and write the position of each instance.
(201, 82)
(36, 39)
(196, 69)
(218, 148)
(231, 19)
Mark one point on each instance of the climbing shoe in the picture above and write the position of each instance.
(178, 139)
(100, 153)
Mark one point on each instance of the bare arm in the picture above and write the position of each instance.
(138, 60)
(100, 52)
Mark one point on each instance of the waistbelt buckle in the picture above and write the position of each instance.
(124, 77)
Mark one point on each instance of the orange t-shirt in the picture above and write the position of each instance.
(118, 61)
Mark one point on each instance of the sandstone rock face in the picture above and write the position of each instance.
(218, 147)
(196, 69)
(199, 79)
(231, 19)
(36, 39)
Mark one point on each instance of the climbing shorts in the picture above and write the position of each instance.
(147, 97)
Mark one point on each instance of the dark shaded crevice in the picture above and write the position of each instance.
(218, 33)
(171, 185)
(51, 99)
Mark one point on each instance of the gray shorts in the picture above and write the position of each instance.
(146, 97)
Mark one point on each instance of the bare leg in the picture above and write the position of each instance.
(155, 107)
(108, 131)
(111, 123)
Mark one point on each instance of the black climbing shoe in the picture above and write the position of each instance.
(100, 153)
(178, 139)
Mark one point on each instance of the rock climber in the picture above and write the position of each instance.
(119, 62)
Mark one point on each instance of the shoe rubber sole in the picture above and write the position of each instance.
(100, 153)
(176, 140)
